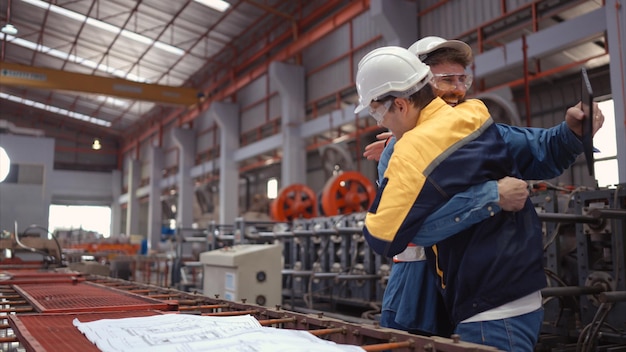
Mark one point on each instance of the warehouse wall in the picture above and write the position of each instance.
(25, 194)
(33, 184)
(81, 188)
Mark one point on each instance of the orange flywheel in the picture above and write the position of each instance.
(294, 202)
(346, 193)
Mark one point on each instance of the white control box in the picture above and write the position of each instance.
(246, 271)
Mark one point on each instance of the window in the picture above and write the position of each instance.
(606, 170)
(74, 217)
(272, 188)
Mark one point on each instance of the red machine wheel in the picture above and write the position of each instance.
(346, 193)
(294, 202)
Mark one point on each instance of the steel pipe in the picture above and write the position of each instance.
(608, 213)
(612, 297)
(329, 331)
(571, 291)
(232, 313)
(297, 272)
(358, 277)
(568, 218)
(389, 346)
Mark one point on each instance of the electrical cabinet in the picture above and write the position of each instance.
(246, 271)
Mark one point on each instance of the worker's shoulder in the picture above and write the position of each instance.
(473, 106)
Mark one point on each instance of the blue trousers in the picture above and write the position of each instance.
(518, 334)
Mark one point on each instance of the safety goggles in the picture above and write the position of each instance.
(450, 81)
(379, 112)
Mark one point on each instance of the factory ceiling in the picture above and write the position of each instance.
(119, 69)
(111, 69)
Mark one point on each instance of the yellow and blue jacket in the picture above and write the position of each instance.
(486, 265)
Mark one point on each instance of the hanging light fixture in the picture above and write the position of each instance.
(8, 28)
(96, 144)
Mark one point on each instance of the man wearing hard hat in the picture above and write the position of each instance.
(440, 152)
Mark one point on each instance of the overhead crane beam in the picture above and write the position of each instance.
(51, 79)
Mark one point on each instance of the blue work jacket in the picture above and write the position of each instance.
(450, 150)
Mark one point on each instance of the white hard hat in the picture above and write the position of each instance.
(389, 70)
(427, 45)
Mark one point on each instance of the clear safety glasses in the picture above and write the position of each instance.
(379, 112)
(450, 81)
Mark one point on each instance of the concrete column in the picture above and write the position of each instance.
(290, 83)
(132, 211)
(396, 19)
(616, 36)
(116, 209)
(185, 139)
(227, 117)
(155, 212)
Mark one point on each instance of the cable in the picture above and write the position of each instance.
(19, 243)
(588, 335)
(370, 313)
(56, 240)
(552, 275)
(554, 235)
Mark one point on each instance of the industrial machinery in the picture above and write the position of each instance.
(327, 261)
(585, 301)
(294, 201)
(345, 192)
(34, 247)
(328, 265)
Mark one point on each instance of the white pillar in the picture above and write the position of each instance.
(290, 82)
(396, 19)
(132, 211)
(185, 139)
(227, 117)
(155, 212)
(116, 209)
